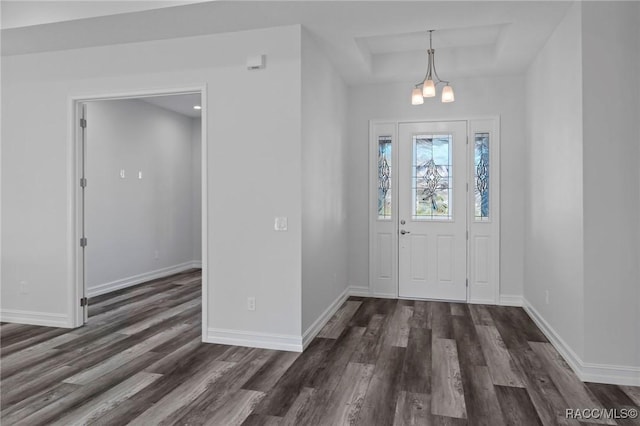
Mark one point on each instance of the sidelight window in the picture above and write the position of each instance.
(481, 178)
(384, 177)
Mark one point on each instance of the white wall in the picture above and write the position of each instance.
(583, 190)
(502, 96)
(554, 187)
(638, 120)
(611, 175)
(324, 183)
(196, 188)
(136, 226)
(253, 139)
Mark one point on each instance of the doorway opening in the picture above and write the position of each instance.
(434, 210)
(140, 197)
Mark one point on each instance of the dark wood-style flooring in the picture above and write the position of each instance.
(377, 362)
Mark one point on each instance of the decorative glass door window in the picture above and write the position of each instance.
(432, 170)
(384, 177)
(481, 178)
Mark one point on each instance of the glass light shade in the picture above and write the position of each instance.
(428, 89)
(416, 97)
(447, 94)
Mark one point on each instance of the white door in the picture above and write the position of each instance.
(432, 210)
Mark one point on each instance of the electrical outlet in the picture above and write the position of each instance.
(251, 303)
(546, 296)
(24, 287)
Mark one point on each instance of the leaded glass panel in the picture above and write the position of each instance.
(432, 177)
(481, 178)
(384, 177)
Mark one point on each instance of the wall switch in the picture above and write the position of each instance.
(280, 223)
(139, 175)
(251, 303)
(24, 287)
(546, 296)
(122, 174)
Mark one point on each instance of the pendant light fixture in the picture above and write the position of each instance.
(427, 88)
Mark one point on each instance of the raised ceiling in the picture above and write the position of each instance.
(445, 39)
(368, 41)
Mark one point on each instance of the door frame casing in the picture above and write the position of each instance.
(76, 267)
(392, 127)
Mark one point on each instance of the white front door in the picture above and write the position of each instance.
(432, 210)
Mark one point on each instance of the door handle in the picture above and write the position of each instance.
(402, 231)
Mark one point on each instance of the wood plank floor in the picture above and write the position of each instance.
(377, 362)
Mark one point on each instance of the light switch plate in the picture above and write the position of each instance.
(280, 223)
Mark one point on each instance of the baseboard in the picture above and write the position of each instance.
(384, 295)
(511, 300)
(481, 301)
(365, 291)
(140, 278)
(587, 372)
(611, 374)
(360, 291)
(254, 339)
(317, 325)
(35, 318)
(505, 299)
(558, 342)
(196, 264)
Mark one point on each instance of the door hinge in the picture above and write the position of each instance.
(467, 282)
(83, 182)
(84, 301)
(83, 242)
(83, 123)
(467, 235)
(467, 186)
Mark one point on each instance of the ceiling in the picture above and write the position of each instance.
(26, 13)
(182, 104)
(179, 103)
(368, 41)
